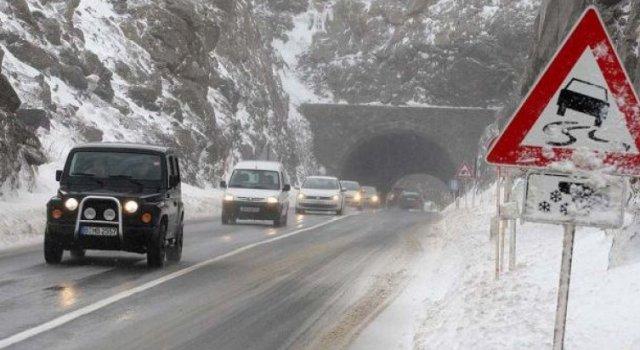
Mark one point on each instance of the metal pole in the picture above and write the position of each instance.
(497, 237)
(563, 288)
(512, 245)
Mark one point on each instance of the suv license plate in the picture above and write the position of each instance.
(99, 231)
(249, 209)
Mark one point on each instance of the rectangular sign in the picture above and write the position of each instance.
(560, 199)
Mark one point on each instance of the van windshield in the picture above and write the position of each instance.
(255, 179)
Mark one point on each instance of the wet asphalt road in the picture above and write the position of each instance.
(280, 294)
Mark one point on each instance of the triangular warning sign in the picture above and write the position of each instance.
(464, 171)
(582, 101)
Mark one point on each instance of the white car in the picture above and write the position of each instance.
(353, 194)
(256, 190)
(320, 193)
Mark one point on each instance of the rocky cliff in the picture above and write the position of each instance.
(461, 53)
(195, 74)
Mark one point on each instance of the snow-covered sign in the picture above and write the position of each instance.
(464, 171)
(560, 198)
(582, 104)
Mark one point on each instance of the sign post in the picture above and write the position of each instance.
(563, 289)
(579, 126)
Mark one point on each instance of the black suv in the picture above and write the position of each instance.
(117, 197)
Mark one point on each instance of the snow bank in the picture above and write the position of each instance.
(24, 215)
(454, 302)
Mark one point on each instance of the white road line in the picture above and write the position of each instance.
(59, 321)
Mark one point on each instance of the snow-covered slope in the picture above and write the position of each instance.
(454, 302)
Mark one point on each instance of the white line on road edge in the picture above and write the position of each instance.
(59, 321)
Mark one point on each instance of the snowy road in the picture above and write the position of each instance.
(238, 287)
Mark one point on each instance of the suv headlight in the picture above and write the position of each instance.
(336, 197)
(131, 207)
(272, 200)
(228, 198)
(301, 196)
(71, 204)
(357, 197)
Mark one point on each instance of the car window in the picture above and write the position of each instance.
(317, 183)
(98, 164)
(588, 89)
(350, 185)
(255, 179)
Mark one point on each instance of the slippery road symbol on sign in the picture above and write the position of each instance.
(583, 100)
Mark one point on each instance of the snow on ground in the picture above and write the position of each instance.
(454, 302)
(24, 213)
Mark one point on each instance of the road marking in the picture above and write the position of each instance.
(66, 318)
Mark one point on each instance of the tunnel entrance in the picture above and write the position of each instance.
(384, 159)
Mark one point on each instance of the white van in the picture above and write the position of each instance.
(257, 190)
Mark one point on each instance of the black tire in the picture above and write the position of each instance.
(157, 249)
(78, 253)
(52, 251)
(278, 222)
(174, 252)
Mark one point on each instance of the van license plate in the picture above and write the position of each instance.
(99, 231)
(249, 209)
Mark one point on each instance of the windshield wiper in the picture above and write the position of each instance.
(130, 179)
(90, 176)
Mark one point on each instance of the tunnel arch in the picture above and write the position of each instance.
(383, 158)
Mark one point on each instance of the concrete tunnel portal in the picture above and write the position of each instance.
(379, 145)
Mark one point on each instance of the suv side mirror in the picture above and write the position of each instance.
(223, 184)
(286, 188)
(58, 175)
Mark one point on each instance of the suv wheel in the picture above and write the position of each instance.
(156, 250)
(174, 253)
(78, 253)
(52, 251)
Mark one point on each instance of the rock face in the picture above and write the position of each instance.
(195, 74)
(461, 53)
(19, 147)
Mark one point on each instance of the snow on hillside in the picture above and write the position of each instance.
(454, 302)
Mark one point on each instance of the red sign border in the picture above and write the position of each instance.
(589, 31)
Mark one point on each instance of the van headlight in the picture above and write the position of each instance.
(272, 200)
(71, 204)
(131, 207)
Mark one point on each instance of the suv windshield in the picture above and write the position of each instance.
(350, 185)
(103, 165)
(316, 183)
(256, 179)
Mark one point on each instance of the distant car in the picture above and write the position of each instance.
(370, 197)
(320, 193)
(116, 196)
(256, 190)
(411, 200)
(584, 97)
(353, 193)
